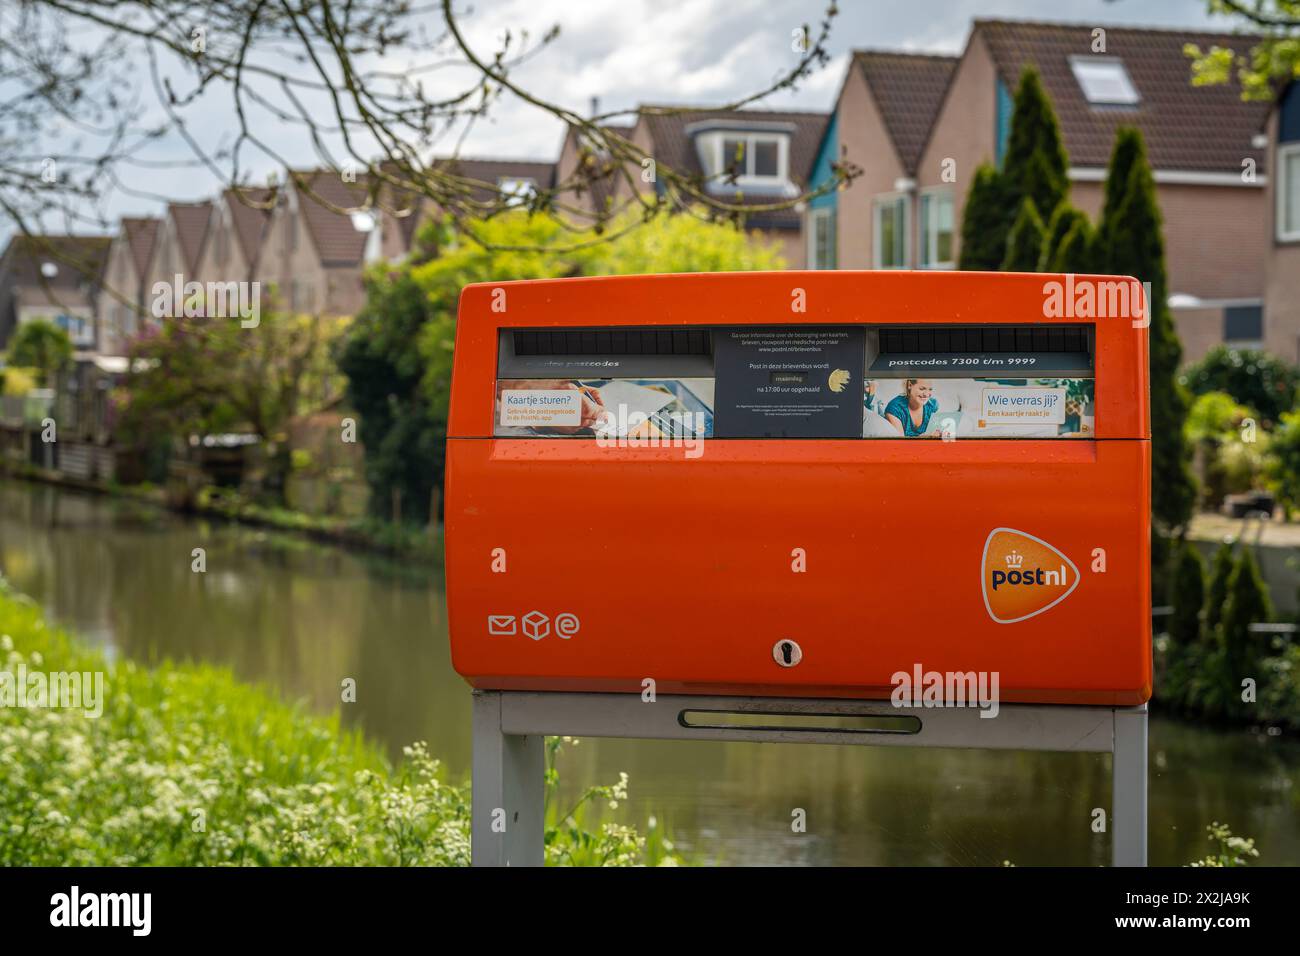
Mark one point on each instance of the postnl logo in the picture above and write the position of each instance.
(1024, 576)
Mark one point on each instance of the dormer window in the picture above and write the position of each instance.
(1104, 81)
(737, 155)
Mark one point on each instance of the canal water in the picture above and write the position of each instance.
(301, 617)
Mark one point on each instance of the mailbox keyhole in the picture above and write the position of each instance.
(787, 653)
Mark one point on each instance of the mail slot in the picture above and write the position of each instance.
(801, 484)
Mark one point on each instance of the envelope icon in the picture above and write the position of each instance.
(501, 624)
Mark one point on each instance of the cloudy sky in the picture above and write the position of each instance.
(697, 51)
(627, 52)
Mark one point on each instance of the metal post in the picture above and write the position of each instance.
(508, 826)
(508, 798)
(1128, 805)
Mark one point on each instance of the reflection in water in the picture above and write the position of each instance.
(303, 617)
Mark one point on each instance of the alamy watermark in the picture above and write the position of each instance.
(215, 300)
(622, 427)
(1083, 298)
(922, 688)
(55, 690)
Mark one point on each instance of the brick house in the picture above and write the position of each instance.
(176, 251)
(312, 253)
(406, 213)
(55, 278)
(1282, 218)
(1203, 144)
(776, 151)
(122, 303)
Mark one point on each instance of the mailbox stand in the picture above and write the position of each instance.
(509, 757)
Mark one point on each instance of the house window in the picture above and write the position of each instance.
(1104, 81)
(936, 229)
(1288, 192)
(1243, 323)
(755, 158)
(821, 239)
(890, 232)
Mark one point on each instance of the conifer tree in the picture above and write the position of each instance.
(1131, 242)
(1025, 242)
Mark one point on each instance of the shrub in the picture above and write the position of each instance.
(1256, 379)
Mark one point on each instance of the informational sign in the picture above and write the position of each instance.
(1022, 405)
(796, 382)
(540, 408)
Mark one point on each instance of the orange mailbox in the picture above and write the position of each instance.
(802, 484)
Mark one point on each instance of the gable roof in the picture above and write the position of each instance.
(140, 233)
(1199, 129)
(908, 89)
(338, 242)
(191, 221)
(79, 260)
(247, 218)
(674, 145)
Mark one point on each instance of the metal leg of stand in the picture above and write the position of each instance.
(508, 797)
(1128, 808)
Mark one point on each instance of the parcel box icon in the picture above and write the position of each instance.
(801, 484)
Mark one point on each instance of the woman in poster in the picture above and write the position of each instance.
(910, 412)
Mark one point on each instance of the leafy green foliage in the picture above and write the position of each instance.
(1220, 571)
(1248, 603)
(398, 354)
(1231, 850)
(1284, 468)
(199, 375)
(1266, 58)
(1256, 379)
(1189, 596)
(43, 346)
(1025, 241)
(189, 767)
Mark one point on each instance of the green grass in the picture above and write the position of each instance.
(188, 766)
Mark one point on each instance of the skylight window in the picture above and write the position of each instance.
(1104, 81)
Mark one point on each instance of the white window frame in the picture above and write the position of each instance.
(1284, 152)
(878, 204)
(926, 235)
(816, 215)
(714, 148)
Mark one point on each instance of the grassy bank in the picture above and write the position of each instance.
(188, 766)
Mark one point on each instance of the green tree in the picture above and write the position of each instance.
(1248, 603)
(397, 355)
(1025, 241)
(984, 224)
(1268, 53)
(1131, 242)
(41, 345)
(1220, 572)
(1189, 596)
(1125, 153)
(1068, 242)
(1254, 378)
(1036, 165)
(1284, 468)
(201, 375)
